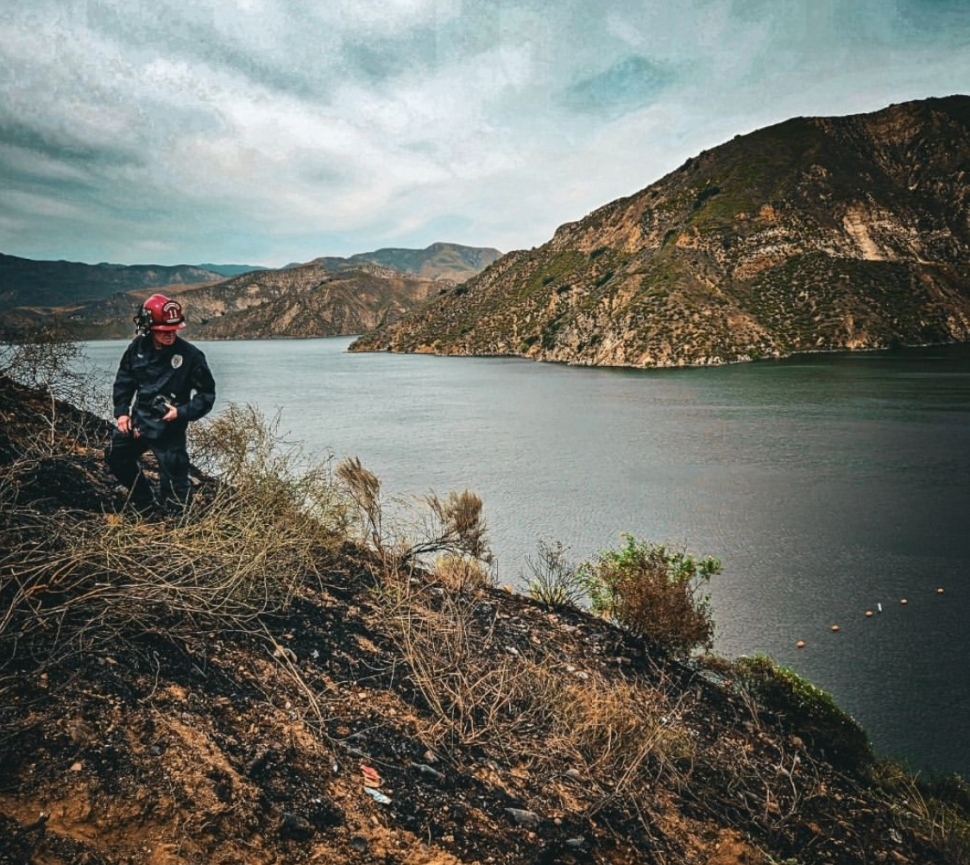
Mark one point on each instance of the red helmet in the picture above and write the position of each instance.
(160, 313)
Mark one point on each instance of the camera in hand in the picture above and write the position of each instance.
(160, 406)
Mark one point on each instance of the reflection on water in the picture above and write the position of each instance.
(826, 483)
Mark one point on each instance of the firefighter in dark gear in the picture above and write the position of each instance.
(163, 383)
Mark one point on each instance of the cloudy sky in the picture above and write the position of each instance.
(272, 131)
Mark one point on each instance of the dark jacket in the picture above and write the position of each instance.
(178, 373)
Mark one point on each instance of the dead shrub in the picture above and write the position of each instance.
(454, 525)
(554, 581)
(621, 733)
(474, 694)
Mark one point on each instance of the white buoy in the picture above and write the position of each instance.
(879, 606)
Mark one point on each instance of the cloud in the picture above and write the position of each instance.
(269, 131)
(631, 83)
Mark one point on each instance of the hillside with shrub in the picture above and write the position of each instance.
(816, 234)
(285, 675)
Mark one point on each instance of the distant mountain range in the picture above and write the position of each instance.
(438, 261)
(24, 282)
(813, 234)
(228, 270)
(326, 297)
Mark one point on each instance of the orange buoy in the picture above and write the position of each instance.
(800, 644)
(836, 628)
(904, 602)
(868, 614)
(939, 591)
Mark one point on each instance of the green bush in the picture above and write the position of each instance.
(810, 712)
(654, 592)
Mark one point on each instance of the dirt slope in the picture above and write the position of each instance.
(421, 722)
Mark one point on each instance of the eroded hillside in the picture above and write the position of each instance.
(815, 234)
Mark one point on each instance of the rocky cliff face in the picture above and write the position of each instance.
(814, 234)
(307, 301)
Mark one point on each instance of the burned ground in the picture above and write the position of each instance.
(378, 717)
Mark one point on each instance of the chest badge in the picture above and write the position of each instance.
(176, 361)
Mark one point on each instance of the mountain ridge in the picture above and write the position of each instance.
(451, 261)
(812, 234)
(329, 296)
(26, 282)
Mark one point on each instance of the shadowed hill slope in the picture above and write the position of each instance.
(24, 282)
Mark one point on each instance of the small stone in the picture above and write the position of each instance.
(529, 819)
(77, 767)
(425, 769)
(295, 827)
(575, 843)
(359, 844)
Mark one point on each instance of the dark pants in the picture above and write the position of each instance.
(122, 455)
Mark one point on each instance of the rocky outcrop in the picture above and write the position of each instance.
(307, 301)
(814, 234)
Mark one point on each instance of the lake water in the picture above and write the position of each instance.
(827, 484)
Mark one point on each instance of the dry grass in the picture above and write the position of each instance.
(444, 637)
(938, 810)
(461, 575)
(238, 551)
